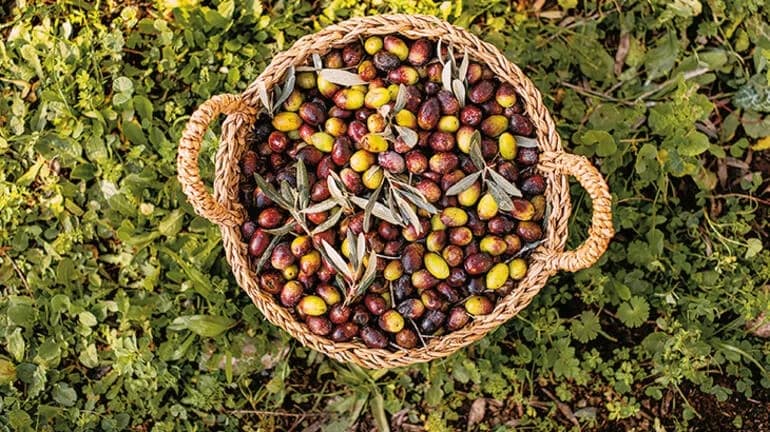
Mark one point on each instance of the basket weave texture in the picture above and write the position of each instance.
(224, 209)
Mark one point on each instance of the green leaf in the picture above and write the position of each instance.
(587, 327)
(604, 142)
(694, 144)
(634, 312)
(202, 325)
(754, 246)
(16, 344)
(64, 394)
(89, 357)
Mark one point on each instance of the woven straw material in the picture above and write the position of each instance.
(556, 165)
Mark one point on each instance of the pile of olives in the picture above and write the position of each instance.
(435, 273)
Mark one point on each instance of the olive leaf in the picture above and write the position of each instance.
(525, 142)
(379, 210)
(504, 184)
(502, 199)
(288, 87)
(368, 277)
(419, 201)
(370, 207)
(446, 75)
(329, 223)
(463, 184)
(270, 192)
(360, 249)
(334, 189)
(318, 64)
(322, 206)
(400, 99)
(409, 136)
(337, 261)
(303, 186)
(477, 157)
(353, 247)
(341, 77)
(458, 88)
(462, 71)
(407, 211)
(268, 252)
(267, 103)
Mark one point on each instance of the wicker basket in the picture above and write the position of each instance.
(223, 207)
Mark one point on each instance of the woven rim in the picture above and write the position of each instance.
(555, 165)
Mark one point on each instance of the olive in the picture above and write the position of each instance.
(442, 141)
(271, 282)
(506, 143)
(522, 210)
(341, 151)
(478, 305)
(286, 121)
(281, 256)
(436, 265)
(517, 268)
(329, 294)
(403, 75)
(311, 263)
(436, 240)
(509, 171)
(385, 61)
(312, 305)
(416, 162)
(460, 236)
(291, 293)
(443, 162)
(538, 202)
(333, 59)
(432, 321)
(248, 229)
(496, 276)
(376, 304)
(512, 244)
(433, 73)
(373, 45)
(351, 180)
(349, 99)
(339, 313)
(473, 75)
(448, 102)
(411, 308)
(521, 125)
(457, 319)
(529, 231)
(357, 130)
(367, 71)
(470, 196)
(478, 263)
(406, 338)
(391, 321)
(373, 338)
(534, 185)
(428, 114)
(500, 225)
(493, 126)
(527, 156)
(361, 315)
(448, 292)
(259, 242)
(336, 127)
(306, 80)
(420, 52)
(423, 279)
(471, 115)
(344, 332)
(396, 46)
(482, 92)
(312, 113)
(352, 54)
(487, 207)
(319, 325)
(453, 255)
(431, 299)
(429, 189)
(493, 245)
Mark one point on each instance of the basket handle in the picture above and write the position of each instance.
(187, 158)
(601, 230)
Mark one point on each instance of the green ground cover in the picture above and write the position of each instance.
(119, 312)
